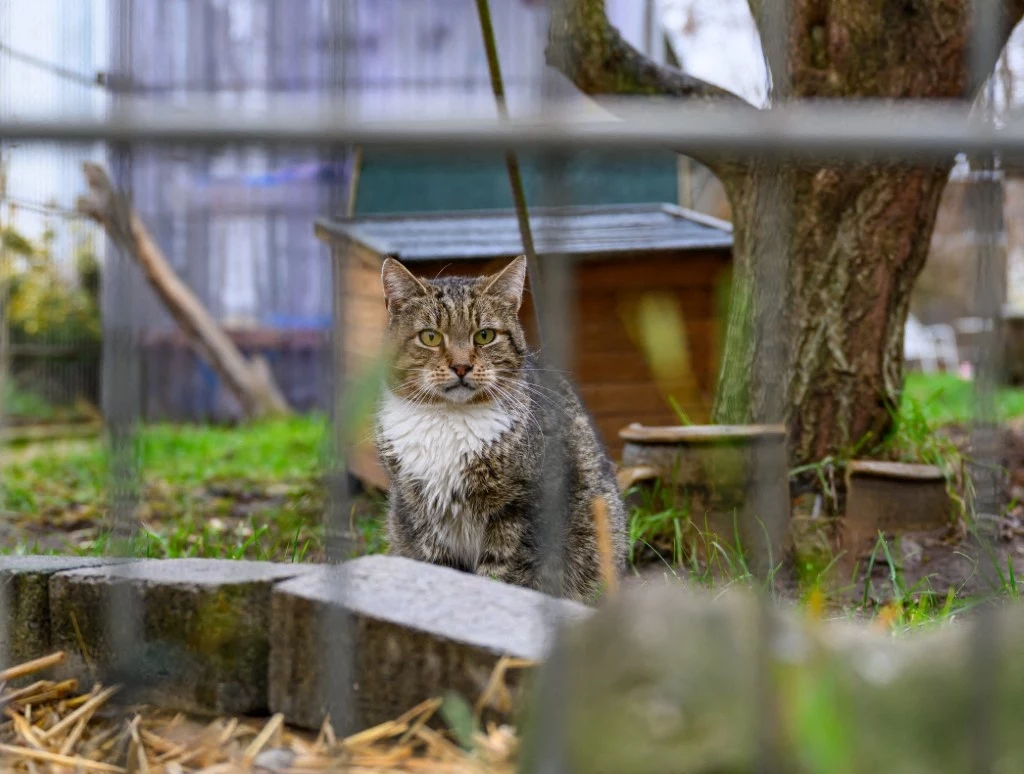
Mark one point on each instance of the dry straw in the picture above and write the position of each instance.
(51, 726)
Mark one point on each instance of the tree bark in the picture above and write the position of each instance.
(249, 380)
(857, 241)
(852, 239)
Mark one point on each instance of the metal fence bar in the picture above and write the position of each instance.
(985, 205)
(121, 405)
(336, 626)
(551, 286)
(920, 130)
(555, 308)
(768, 275)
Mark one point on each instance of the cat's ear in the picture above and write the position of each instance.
(399, 283)
(509, 282)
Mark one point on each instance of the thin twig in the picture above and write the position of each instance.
(81, 645)
(61, 760)
(24, 729)
(31, 667)
(88, 708)
(272, 727)
(603, 534)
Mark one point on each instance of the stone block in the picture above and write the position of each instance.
(184, 634)
(404, 632)
(25, 603)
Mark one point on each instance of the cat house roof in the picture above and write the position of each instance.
(495, 233)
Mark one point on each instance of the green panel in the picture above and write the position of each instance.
(390, 183)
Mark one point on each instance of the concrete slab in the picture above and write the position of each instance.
(404, 632)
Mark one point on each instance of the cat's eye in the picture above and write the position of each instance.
(484, 336)
(431, 338)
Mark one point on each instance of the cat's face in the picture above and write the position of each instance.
(454, 340)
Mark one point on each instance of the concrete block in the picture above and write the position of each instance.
(184, 634)
(404, 632)
(25, 603)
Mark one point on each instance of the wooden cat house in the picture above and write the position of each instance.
(646, 279)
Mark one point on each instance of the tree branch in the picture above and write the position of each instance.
(590, 52)
(249, 379)
(585, 47)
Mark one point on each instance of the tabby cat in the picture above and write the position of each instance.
(473, 436)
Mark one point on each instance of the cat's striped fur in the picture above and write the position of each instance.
(473, 436)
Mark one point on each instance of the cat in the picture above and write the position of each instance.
(471, 431)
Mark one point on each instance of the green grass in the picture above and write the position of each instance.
(946, 398)
(666, 535)
(28, 405)
(253, 491)
(265, 451)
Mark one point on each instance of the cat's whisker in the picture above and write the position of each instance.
(537, 392)
(532, 369)
(517, 403)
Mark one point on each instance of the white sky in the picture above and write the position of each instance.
(68, 33)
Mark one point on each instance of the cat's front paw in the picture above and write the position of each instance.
(494, 571)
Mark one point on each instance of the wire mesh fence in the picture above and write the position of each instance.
(249, 122)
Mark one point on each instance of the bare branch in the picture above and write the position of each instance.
(250, 380)
(585, 47)
(589, 51)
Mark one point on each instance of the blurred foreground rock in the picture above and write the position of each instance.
(667, 680)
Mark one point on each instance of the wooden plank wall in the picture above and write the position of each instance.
(609, 365)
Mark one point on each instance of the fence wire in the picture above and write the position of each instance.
(777, 137)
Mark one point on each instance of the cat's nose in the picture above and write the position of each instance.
(462, 369)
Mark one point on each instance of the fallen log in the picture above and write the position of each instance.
(249, 380)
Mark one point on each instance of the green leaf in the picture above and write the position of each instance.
(459, 716)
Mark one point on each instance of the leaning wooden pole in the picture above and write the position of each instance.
(249, 380)
(515, 178)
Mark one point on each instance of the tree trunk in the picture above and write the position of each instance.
(825, 257)
(854, 244)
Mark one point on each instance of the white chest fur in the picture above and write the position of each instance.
(434, 445)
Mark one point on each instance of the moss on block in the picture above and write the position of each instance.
(184, 634)
(25, 604)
